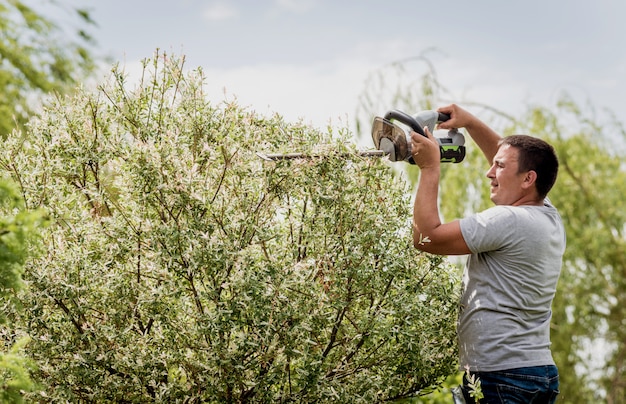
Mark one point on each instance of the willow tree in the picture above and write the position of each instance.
(180, 266)
(589, 339)
(588, 334)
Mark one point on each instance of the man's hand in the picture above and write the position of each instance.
(459, 118)
(425, 150)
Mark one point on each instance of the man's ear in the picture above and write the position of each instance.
(529, 179)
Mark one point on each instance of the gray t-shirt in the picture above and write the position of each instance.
(508, 287)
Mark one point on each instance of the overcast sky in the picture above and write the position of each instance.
(309, 58)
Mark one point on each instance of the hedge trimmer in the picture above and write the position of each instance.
(392, 140)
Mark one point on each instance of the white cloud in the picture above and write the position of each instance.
(219, 12)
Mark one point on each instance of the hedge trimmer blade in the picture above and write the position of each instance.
(385, 134)
(297, 156)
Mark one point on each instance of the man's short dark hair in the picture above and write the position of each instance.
(536, 155)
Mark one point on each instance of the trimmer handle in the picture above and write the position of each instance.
(411, 121)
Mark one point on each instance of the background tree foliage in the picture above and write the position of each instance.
(181, 266)
(37, 57)
(18, 231)
(588, 335)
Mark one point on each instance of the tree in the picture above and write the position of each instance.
(18, 230)
(36, 58)
(589, 337)
(588, 333)
(181, 266)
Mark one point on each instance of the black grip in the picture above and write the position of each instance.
(405, 119)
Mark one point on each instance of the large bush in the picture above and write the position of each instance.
(182, 267)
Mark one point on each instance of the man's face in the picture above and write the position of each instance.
(507, 185)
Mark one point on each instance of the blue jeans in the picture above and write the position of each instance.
(536, 385)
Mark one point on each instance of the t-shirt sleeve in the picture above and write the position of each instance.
(487, 230)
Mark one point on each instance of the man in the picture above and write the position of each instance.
(515, 255)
